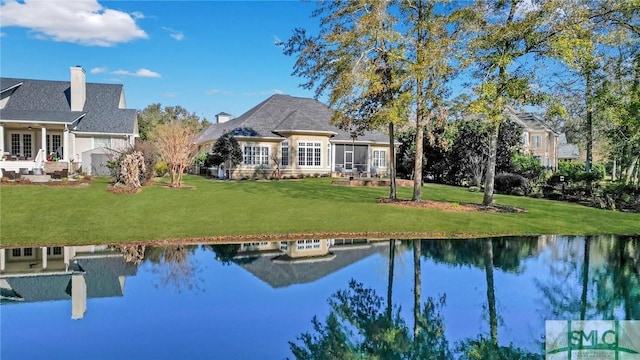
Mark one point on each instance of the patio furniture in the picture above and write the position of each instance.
(11, 175)
(61, 174)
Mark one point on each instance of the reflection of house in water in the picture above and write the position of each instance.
(73, 273)
(285, 263)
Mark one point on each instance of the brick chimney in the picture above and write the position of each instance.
(78, 88)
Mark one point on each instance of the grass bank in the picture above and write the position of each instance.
(43, 215)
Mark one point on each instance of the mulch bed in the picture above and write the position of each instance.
(449, 206)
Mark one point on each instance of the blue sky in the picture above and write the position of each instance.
(207, 56)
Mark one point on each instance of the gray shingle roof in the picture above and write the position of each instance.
(42, 288)
(283, 113)
(44, 100)
(528, 121)
(101, 274)
(567, 150)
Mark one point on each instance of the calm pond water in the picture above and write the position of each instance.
(250, 301)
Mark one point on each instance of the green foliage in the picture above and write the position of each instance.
(575, 171)
(359, 327)
(512, 184)
(153, 115)
(483, 348)
(200, 159)
(161, 168)
(225, 149)
(528, 166)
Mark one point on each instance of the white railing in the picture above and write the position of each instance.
(39, 161)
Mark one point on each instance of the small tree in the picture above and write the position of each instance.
(174, 141)
(226, 150)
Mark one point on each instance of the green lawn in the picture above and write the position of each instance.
(44, 215)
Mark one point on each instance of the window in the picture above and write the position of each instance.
(379, 158)
(16, 252)
(56, 250)
(27, 252)
(256, 155)
(21, 144)
(101, 142)
(308, 244)
(54, 141)
(309, 153)
(525, 139)
(536, 141)
(284, 152)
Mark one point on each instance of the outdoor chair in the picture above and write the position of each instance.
(11, 175)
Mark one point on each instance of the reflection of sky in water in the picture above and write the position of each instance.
(232, 314)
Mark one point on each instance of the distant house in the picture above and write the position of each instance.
(538, 138)
(297, 134)
(42, 122)
(567, 151)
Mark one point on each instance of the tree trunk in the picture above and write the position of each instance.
(631, 169)
(491, 296)
(585, 278)
(417, 289)
(392, 255)
(589, 124)
(614, 170)
(417, 169)
(392, 163)
(491, 166)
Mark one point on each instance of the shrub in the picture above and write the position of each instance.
(575, 171)
(161, 168)
(528, 166)
(514, 184)
(261, 172)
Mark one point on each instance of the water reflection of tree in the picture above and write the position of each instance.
(618, 282)
(609, 289)
(132, 253)
(175, 266)
(506, 254)
(359, 328)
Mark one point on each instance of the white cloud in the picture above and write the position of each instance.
(170, 95)
(98, 70)
(218, 92)
(178, 35)
(84, 22)
(140, 73)
(3, 34)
